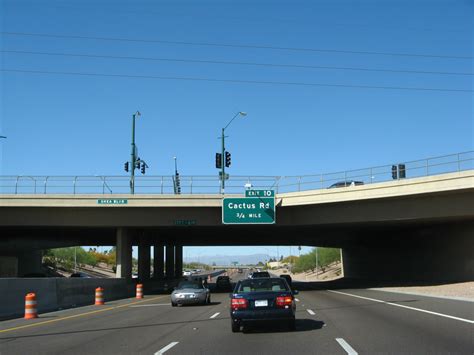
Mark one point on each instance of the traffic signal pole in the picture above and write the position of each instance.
(223, 155)
(223, 164)
(133, 159)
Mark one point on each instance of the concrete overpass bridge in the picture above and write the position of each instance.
(408, 229)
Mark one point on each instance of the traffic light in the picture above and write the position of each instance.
(402, 171)
(125, 166)
(218, 160)
(178, 184)
(143, 168)
(394, 172)
(227, 159)
(137, 163)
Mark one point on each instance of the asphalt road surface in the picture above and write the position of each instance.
(328, 322)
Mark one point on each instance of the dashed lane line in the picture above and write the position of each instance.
(346, 346)
(407, 307)
(310, 312)
(166, 348)
(297, 300)
(215, 315)
(77, 315)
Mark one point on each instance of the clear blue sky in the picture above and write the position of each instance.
(80, 125)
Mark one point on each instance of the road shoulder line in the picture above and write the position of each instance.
(465, 299)
(407, 307)
(76, 315)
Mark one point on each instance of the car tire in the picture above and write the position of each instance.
(292, 325)
(235, 326)
(208, 301)
(173, 304)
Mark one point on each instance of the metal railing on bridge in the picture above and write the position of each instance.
(235, 185)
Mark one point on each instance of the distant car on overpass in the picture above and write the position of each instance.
(346, 184)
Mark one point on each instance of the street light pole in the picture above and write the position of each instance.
(316, 262)
(133, 156)
(223, 160)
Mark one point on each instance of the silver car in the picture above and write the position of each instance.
(189, 292)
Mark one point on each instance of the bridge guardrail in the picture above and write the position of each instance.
(164, 184)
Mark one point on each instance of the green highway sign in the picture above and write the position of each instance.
(259, 193)
(113, 201)
(248, 210)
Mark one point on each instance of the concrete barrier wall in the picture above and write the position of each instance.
(57, 293)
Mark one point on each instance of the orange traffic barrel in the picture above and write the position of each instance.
(139, 291)
(31, 310)
(99, 296)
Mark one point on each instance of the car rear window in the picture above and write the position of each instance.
(256, 285)
(260, 274)
(191, 285)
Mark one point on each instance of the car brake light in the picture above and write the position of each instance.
(238, 303)
(282, 301)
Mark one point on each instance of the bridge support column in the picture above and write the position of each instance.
(30, 262)
(143, 258)
(158, 261)
(124, 254)
(169, 261)
(178, 254)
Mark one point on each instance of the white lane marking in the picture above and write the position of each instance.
(166, 348)
(311, 312)
(150, 305)
(346, 346)
(407, 307)
(215, 315)
(297, 300)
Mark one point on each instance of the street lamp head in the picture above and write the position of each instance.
(138, 113)
(243, 114)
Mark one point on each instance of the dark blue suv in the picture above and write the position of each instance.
(262, 299)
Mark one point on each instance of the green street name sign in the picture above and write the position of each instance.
(259, 193)
(248, 210)
(113, 201)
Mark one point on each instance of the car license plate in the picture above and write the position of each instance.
(261, 303)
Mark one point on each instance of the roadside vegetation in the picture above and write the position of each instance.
(324, 257)
(196, 265)
(63, 258)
